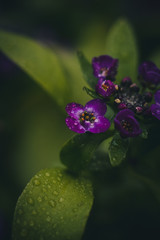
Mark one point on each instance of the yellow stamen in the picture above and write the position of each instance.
(117, 100)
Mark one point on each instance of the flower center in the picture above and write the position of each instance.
(85, 116)
(105, 86)
(126, 125)
(104, 72)
(129, 96)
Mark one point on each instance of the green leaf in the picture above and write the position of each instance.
(91, 93)
(54, 205)
(77, 153)
(87, 70)
(117, 150)
(110, 113)
(155, 57)
(38, 61)
(121, 44)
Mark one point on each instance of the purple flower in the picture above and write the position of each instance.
(155, 108)
(126, 124)
(104, 66)
(149, 73)
(105, 88)
(89, 118)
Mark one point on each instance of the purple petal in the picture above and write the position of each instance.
(74, 125)
(102, 91)
(101, 124)
(130, 119)
(155, 109)
(150, 73)
(97, 106)
(74, 110)
(157, 97)
(106, 62)
(124, 113)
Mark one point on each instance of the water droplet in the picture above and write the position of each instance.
(36, 182)
(24, 223)
(47, 174)
(61, 199)
(18, 221)
(82, 145)
(75, 124)
(24, 232)
(52, 203)
(48, 219)
(39, 199)
(55, 192)
(34, 212)
(20, 211)
(30, 201)
(31, 223)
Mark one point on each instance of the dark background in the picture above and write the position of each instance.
(72, 25)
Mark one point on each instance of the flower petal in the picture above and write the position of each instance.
(131, 120)
(74, 125)
(105, 88)
(155, 109)
(101, 124)
(150, 73)
(97, 106)
(106, 62)
(124, 113)
(157, 97)
(74, 110)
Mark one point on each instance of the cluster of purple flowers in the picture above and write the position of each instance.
(128, 98)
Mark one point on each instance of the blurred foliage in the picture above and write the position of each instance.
(121, 44)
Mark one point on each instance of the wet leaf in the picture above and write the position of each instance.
(118, 149)
(54, 205)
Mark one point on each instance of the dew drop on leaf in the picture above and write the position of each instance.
(52, 203)
(24, 233)
(30, 201)
(61, 200)
(47, 174)
(39, 199)
(36, 182)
